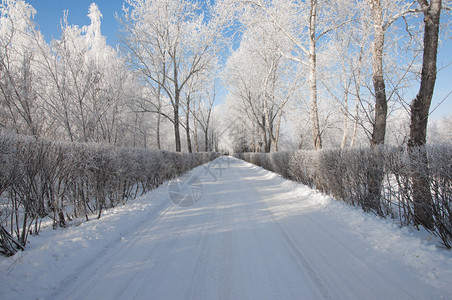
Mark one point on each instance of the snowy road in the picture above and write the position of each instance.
(252, 235)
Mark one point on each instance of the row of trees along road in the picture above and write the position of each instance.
(334, 61)
(175, 48)
(78, 88)
(352, 40)
(369, 52)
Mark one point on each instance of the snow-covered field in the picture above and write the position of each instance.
(250, 235)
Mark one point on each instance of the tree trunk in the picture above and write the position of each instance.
(376, 172)
(195, 130)
(187, 126)
(176, 104)
(345, 122)
(421, 104)
(135, 129)
(159, 146)
(381, 105)
(355, 126)
(266, 145)
(176, 122)
(269, 126)
(206, 139)
(313, 78)
(273, 143)
(422, 198)
(358, 100)
(277, 131)
(159, 115)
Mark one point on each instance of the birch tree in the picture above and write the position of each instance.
(305, 23)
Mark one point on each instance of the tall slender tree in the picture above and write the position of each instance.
(420, 107)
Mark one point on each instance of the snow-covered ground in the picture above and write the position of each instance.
(249, 235)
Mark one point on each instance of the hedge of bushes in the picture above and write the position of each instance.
(40, 178)
(353, 175)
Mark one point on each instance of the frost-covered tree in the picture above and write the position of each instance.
(262, 81)
(169, 43)
(203, 114)
(20, 109)
(440, 131)
(87, 82)
(420, 106)
(382, 15)
(306, 24)
(420, 109)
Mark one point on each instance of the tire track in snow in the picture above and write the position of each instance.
(341, 271)
(301, 259)
(316, 281)
(350, 258)
(141, 279)
(203, 258)
(248, 238)
(227, 257)
(80, 276)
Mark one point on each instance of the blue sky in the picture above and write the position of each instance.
(443, 82)
(50, 12)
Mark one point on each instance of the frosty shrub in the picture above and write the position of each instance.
(440, 166)
(377, 179)
(279, 162)
(63, 181)
(240, 156)
(328, 167)
(362, 170)
(301, 167)
(255, 158)
(6, 172)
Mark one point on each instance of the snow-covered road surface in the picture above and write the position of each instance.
(251, 235)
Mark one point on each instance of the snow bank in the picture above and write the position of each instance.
(54, 253)
(353, 175)
(420, 250)
(249, 215)
(41, 178)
